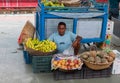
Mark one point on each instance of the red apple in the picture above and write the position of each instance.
(69, 61)
(76, 61)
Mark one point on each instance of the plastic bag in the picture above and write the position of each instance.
(64, 62)
(69, 51)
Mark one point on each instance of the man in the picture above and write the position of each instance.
(64, 39)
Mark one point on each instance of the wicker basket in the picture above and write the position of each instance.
(58, 57)
(39, 53)
(71, 3)
(97, 66)
(76, 4)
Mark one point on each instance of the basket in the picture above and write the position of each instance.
(96, 66)
(66, 63)
(71, 3)
(75, 4)
(39, 53)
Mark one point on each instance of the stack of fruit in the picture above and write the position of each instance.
(66, 63)
(54, 3)
(99, 57)
(43, 46)
(98, 60)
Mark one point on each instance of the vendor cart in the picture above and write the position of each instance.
(87, 21)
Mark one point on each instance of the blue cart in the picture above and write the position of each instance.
(98, 11)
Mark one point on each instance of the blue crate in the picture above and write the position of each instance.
(27, 57)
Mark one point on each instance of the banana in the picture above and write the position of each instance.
(44, 46)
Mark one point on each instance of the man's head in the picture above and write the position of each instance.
(61, 28)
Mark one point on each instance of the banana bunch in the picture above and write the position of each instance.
(54, 3)
(44, 46)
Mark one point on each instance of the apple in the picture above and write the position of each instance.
(62, 67)
(72, 63)
(76, 61)
(76, 66)
(69, 61)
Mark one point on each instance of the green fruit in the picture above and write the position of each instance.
(57, 5)
(51, 3)
(53, 6)
(46, 3)
(62, 5)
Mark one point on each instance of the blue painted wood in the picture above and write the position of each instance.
(75, 25)
(89, 40)
(39, 22)
(104, 26)
(38, 35)
(69, 9)
(36, 21)
(42, 29)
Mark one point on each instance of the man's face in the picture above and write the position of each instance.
(61, 30)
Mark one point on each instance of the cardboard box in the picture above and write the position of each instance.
(110, 26)
(109, 32)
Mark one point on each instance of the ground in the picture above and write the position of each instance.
(12, 66)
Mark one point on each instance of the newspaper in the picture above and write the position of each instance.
(116, 64)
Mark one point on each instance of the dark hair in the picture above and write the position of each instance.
(61, 23)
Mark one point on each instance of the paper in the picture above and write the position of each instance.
(116, 64)
(89, 28)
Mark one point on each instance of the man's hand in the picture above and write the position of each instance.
(76, 44)
(79, 38)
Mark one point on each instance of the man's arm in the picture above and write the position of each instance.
(76, 44)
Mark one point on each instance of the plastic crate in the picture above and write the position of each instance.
(89, 73)
(60, 75)
(27, 57)
(102, 1)
(41, 63)
(18, 3)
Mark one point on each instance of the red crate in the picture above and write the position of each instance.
(12, 3)
(2, 3)
(102, 1)
(18, 3)
(27, 3)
